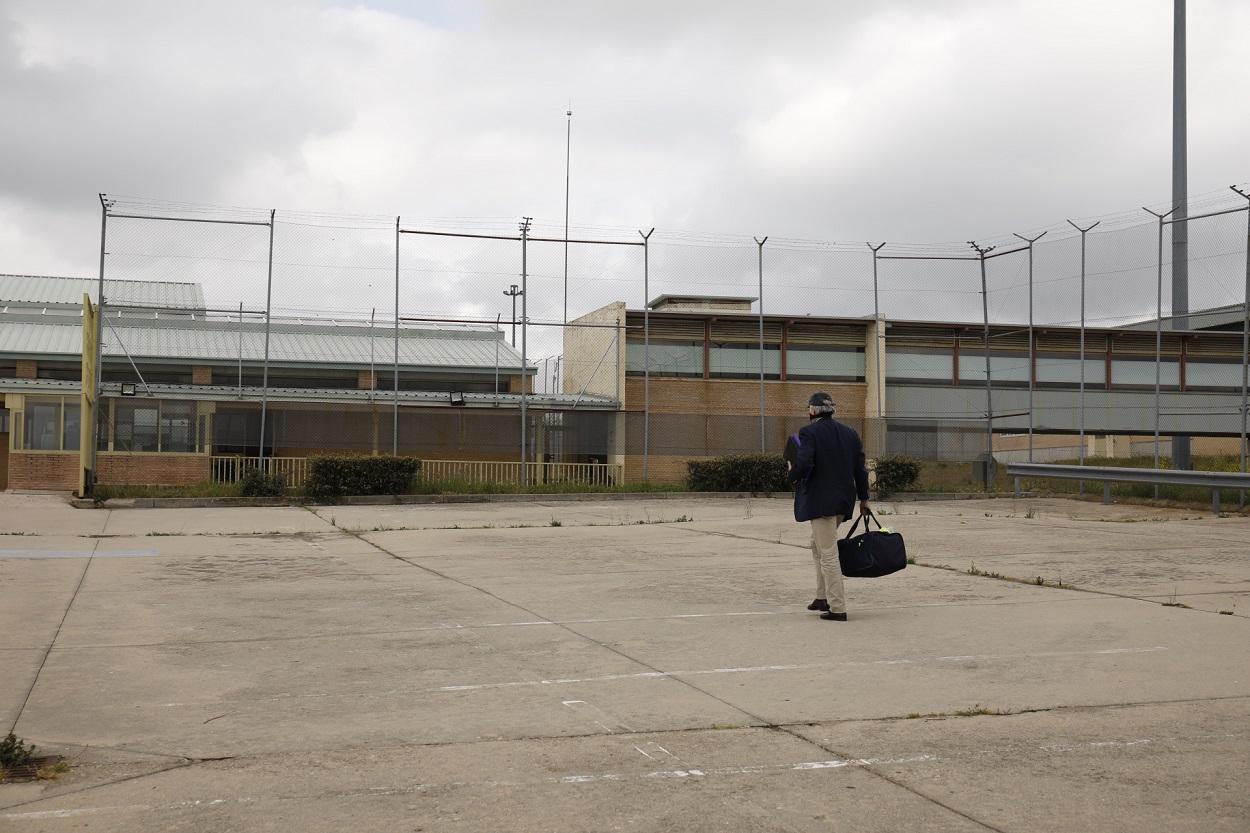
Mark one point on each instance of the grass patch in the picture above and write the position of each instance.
(203, 489)
(52, 771)
(726, 725)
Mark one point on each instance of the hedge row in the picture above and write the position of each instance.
(340, 476)
(738, 473)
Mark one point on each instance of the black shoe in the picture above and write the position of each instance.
(818, 604)
(833, 617)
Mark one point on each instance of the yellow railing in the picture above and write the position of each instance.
(294, 470)
(232, 468)
(490, 471)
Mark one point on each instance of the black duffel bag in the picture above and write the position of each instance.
(873, 554)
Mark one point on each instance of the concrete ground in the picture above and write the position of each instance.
(639, 666)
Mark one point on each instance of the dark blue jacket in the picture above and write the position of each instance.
(828, 473)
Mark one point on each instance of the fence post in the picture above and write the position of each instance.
(760, 243)
(1081, 399)
(1158, 331)
(395, 369)
(1245, 345)
(982, 251)
(264, 384)
(1032, 354)
(525, 234)
(97, 382)
(646, 353)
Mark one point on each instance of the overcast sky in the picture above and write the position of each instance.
(831, 120)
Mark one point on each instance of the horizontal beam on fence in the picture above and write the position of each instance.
(1210, 214)
(190, 220)
(518, 239)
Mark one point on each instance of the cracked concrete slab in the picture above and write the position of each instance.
(302, 670)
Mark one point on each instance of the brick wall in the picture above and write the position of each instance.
(366, 379)
(201, 375)
(120, 468)
(43, 470)
(26, 368)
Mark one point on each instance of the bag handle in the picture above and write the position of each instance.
(867, 523)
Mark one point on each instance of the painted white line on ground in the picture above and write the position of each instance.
(660, 675)
(649, 750)
(767, 668)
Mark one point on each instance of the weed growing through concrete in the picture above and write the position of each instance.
(726, 725)
(1030, 514)
(52, 772)
(555, 522)
(1172, 602)
(974, 711)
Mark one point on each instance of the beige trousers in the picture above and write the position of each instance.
(828, 570)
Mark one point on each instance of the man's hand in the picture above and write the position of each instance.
(864, 509)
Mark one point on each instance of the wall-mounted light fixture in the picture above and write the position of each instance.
(128, 389)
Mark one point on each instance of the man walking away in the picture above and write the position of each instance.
(828, 476)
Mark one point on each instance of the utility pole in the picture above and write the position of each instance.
(1181, 458)
(513, 292)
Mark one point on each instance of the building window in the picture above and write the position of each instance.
(668, 358)
(1212, 375)
(155, 425)
(920, 365)
(839, 364)
(728, 360)
(1063, 370)
(177, 426)
(1139, 372)
(49, 424)
(42, 429)
(1006, 369)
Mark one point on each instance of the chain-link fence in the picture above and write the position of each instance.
(260, 334)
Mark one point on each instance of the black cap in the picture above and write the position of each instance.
(820, 399)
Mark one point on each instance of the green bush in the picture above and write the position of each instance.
(738, 473)
(896, 473)
(340, 476)
(256, 483)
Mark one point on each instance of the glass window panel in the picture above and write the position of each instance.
(743, 361)
(1010, 367)
(1213, 374)
(911, 365)
(70, 437)
(668, 358)
(177, 426)
(136, 427)
(815, 363)
(42, 429)
(1141, 372)
(1067, 370)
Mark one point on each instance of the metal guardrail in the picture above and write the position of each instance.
(1213, 480)
(232, 468)
(488, 471)
(294, 470)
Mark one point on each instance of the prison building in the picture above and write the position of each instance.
(689, 368)
(184, 389)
